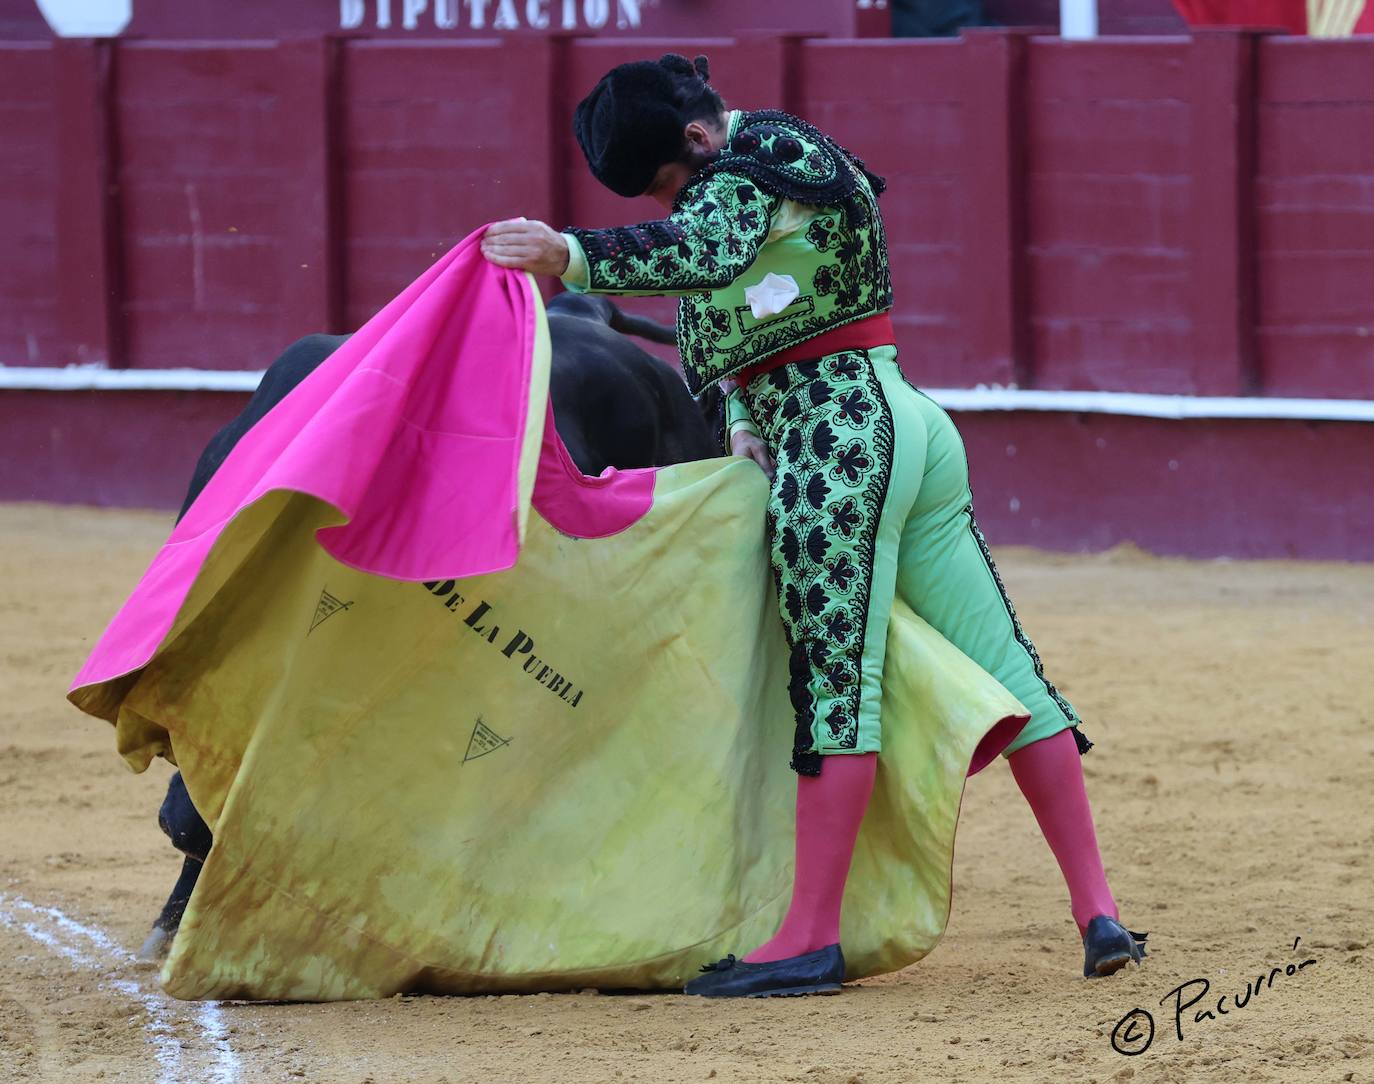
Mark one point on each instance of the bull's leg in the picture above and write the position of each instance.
(159, 938)
(184, 825)
(189, 834)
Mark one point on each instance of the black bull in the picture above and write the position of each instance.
(614, 405)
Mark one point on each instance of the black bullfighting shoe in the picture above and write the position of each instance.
(1108, 947)
(819, 972)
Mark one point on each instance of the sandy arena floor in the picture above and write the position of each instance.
(1232, 782)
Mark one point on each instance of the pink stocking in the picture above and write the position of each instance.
(830, 808)
(1051, 777)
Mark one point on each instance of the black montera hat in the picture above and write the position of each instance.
(630, 124)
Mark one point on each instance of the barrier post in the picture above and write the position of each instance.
(994, 168)
(313, 253)
(1223, 68)
(540, 64)
(776, 59)
(90, 271)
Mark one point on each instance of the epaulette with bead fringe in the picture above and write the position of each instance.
(785, 156)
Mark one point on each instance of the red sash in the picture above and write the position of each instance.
(862, 334)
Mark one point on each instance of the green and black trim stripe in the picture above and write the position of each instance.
(1021, 638)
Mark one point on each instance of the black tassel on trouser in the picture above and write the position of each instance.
(805, 760)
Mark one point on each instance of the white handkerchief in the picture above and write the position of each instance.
(772, 295)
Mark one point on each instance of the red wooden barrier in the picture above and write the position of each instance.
(1170, 215)
(204, 185)
(28, 219)
(1159, 215)
(1315, 218)
(906, 117)
(1108, 185)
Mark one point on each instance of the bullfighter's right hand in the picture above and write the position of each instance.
(746, 444)
(527, 245)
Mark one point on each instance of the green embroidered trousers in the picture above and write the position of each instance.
(871, 500)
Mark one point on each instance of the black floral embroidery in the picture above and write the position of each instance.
(838, 675)
(836, 720)
(818, 392)
(854, 408)
(852, 464)
(847, 366)
(844, 517)
(817, 545)
(706, 243)
(816, 599)
(823, 515)
(816, 491)
(821, 232)
(838, 625)
(790, 545)
(850, 249)
(840, 571)
(823, 440)
(717, 321)
(788, 491)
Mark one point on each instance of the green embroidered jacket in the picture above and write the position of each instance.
(782, 197)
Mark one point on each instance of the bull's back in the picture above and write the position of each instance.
(295, 363)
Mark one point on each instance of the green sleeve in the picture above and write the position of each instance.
(737, 415)
(703, 246)
(575, 277)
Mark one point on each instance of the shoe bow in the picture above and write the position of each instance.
(721, 965)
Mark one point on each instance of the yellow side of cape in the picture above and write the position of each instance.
(570, 773)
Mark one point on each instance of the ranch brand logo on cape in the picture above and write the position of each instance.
(481, 621)
(484, 740)
(326, 608)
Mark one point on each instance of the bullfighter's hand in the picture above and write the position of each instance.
(746, 444)
(526, 245)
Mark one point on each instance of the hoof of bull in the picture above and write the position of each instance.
(156, 946)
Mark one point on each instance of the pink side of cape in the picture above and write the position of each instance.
(413, 429)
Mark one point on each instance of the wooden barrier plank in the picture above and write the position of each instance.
(29, 322)
(1314, 217)
(90, 278)
(312, 253)
(995, 285)
(1222, 286)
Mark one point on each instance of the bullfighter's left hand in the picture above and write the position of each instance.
(526, 245)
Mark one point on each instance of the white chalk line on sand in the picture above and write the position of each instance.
(72, 940)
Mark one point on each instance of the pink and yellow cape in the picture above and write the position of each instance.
(463, 719)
